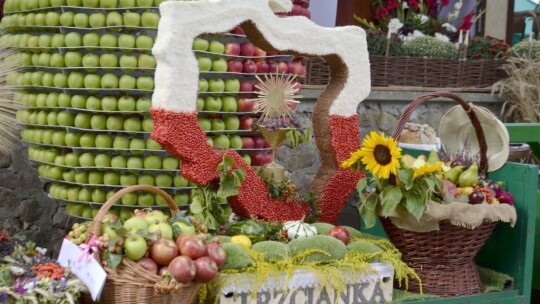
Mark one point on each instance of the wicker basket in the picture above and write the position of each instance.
(418, 72)
(443, 259)
(129, 283)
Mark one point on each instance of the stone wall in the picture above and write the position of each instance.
(25, 209)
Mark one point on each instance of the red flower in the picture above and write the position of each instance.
(445, 3)
(414, 4)
(381, 12)
(467, 22)
(391, 4)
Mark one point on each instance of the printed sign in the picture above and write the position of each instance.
(86, 268)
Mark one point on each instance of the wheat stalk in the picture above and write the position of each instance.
(9, 132)
(521, 90)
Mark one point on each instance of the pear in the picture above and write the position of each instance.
(453, 174)
(407, 161)
(469, 177)
(433, 157)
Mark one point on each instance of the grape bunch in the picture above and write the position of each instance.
(104, 243)
(79, 233)
(272, 124)
(200, 227)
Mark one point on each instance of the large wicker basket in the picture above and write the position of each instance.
(129, 283)
(443, 259)
(418, 72)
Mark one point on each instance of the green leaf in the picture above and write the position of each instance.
(406, 177)
(367, 211)
(147, 235)
(113, 241)
(430, 183)
(415, 203)
(226, 164)
(391, 198)
(239, 176)
(227, 187)
(196, 205)
(361, 185)
(113, 259)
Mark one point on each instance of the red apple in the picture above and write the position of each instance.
(260, 54)
(249, 66)
(262, 67)
(246, 123)
(163, 251)
(272, 53)
(259, 142)
(232, 49)
(247, 143)
(295, 67)
(148, 264)
(246, 87)
(340, 233)
(216, 253)
(206, 269)
(238, 31)
(192, 247)
(235, 66)
(258, 159)
(268, 159)
(247, 49)
(283, 67)
(297, 10)
(163, 270)
(273, 67)
(245, 105)
(182, 268)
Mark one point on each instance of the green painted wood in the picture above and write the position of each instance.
(508, 250)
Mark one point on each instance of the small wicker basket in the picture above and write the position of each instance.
(443, 259)
(129, 283)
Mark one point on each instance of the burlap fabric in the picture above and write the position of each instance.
(458, 214)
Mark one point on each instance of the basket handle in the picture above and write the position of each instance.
(483, 166)
(96, 223)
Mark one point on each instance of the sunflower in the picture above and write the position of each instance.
(427, 169)
(379, 154)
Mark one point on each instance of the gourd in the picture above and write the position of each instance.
(272, 250)
(317, 249)
(299, 229)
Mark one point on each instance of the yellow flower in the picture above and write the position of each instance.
(355, 156)
(379, 153)
(427, 169)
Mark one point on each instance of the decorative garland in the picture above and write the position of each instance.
(334, 119)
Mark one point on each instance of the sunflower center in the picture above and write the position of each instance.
(382, 155)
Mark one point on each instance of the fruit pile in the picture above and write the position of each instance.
(173, 248)
(86, 85)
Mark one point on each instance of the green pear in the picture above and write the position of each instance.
(469, 177)
(453, 174)
(136, 223)
(433, 157)
(407, 161)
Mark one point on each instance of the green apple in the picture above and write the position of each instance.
(165, 230)
(144, 41)
(145, 3)
(229, 104)
(216, 47)
(134, 162)
(132, 19)
(126, 41)
(222, 141)
(170, 163)
(52, 100)
(181, 198)
(108, 3)
(128, 180)
(47, 79)
(91, 63)
(82, 178)
(44, 41)
(109, 81)
(58, 40)
(75, 80)
(205, 123)
(111, 178)
(203, 85)
(126, 103)
(136, 223)
(93, 102)
(26, 59)
(118, 161)
(146, 179)
(95, 178)
(40, 19)
(72, 139)
(46, 136)
(74, 2)
(108, 40)
(127, 3)
(184, 228)
(73, 59)
(90, 3)
(115, 123)
(108, 60)
(179, 181)
(52, 119)
(232, 122)
(98, 121)
(65, 118)
(132, 124)
(143, 104)
(80, 20)
(109, 103)
(220, 65)
(91, 40)
(164, 180)
(37, 78)
(236, 142)
(97, 20)
(205, 64)
(232, 85)
(59, 138)
(73, 39)
(99, 195)
(128, 62)
(87, 159)
(200, 104)
(59, 160)
(30, 19)
(200, 44)
(60, 80)
(71, 159)
(104, 141)
(41, 100)
(73, 192)
(78, 101)
(102, 160)
(212, 103)
(113, 19)
(66, 19)
(127, 82)
(137, 145)
(216, 85)
(88, 140)
(150, 19)
(147, 124)
(52, 19)
(145, 83)
(146, 61)
(57, 60)
(152, 162)
(82, 120)
(152, 145)
(121, 142)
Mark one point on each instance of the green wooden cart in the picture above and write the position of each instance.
(509, 250)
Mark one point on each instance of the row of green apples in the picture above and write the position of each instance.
(12, 6)
(85, 195)
(91, 62)
(98, 19)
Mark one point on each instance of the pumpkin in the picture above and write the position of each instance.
(299, 229)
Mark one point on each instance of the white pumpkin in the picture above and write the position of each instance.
(299, 229)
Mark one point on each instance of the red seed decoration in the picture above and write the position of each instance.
(345, 138)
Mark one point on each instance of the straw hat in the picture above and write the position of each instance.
(456, 129)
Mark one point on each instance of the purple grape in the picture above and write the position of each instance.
(476, 197)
